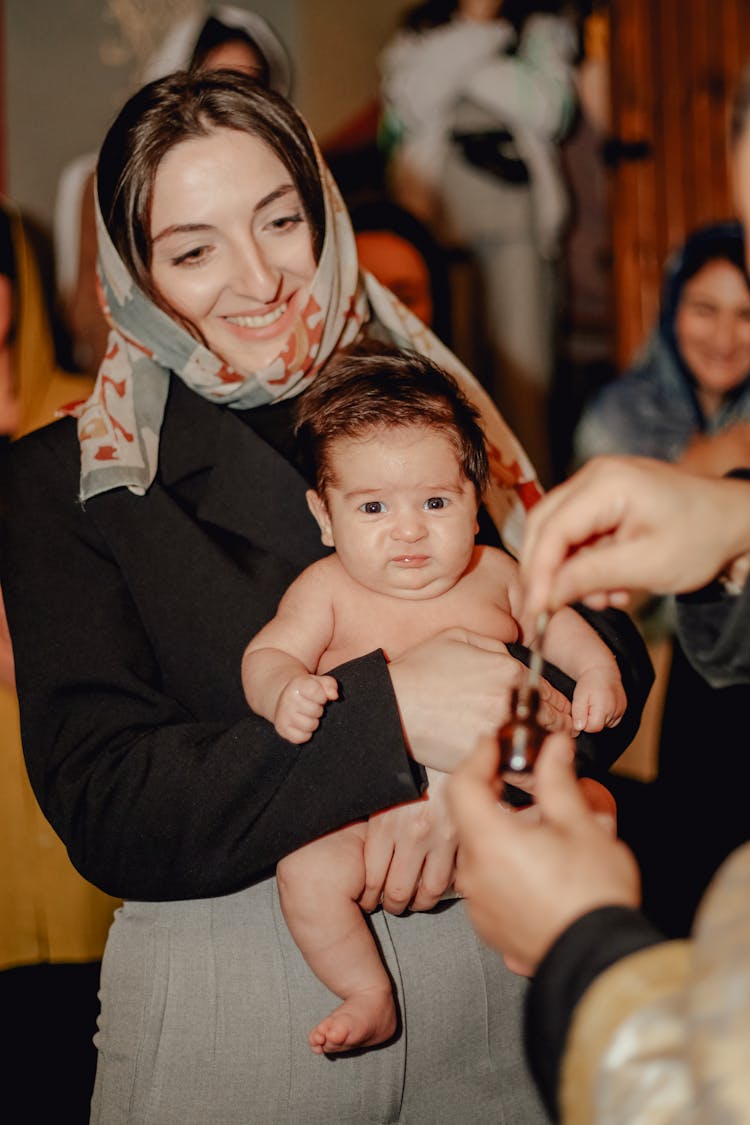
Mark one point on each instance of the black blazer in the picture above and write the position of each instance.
(129, 619)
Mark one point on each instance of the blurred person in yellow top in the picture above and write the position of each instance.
(53, 923)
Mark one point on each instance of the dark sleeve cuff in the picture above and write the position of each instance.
(583, 951)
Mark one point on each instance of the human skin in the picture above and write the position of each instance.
(403, 520)
(229, 237)
(524, 881)
(629, 523)
(398, 265)
(712, 326)
(231, 248)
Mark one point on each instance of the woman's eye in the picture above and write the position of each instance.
(435, 503)
(191, 257)
(287, 222)
(373, 507)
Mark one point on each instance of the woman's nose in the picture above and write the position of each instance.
(725, 333)
(254, 275)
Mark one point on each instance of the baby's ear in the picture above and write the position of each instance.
(317, 506)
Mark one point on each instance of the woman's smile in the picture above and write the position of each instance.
(231, 246)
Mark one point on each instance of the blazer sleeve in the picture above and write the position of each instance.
(150, 803)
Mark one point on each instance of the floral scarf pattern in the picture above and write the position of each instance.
(119, 425)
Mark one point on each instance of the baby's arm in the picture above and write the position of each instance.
(599, 699)
(279, 662)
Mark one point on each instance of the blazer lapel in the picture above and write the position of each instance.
(243, 485)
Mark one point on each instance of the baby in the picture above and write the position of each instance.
(401, 467)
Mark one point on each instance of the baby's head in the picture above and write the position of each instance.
(363, 390)
(400, 466)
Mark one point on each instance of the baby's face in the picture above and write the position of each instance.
(399, 512)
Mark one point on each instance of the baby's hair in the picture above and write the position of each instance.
(371, 387)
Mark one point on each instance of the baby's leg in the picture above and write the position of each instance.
(319, 886)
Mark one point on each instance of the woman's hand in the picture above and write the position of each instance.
(410, 852)
(524, 881)
(457, 686)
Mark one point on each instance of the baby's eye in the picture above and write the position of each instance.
(373, 507)
(435, 503)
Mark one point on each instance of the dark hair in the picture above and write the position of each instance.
(367, 388)
(180, 107)
(214, 34)
(722, 241)
(433, 13)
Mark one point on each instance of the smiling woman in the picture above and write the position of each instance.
(232, 250)
(172, 511)
(687, 397)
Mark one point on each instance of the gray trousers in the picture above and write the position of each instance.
(206, 1005)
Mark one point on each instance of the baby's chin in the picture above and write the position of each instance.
(413, 586)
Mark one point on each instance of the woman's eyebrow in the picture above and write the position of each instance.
(193, 228)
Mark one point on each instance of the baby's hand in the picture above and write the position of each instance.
(301, 704)
(599, 699)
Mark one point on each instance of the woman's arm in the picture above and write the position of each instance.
(151, 802)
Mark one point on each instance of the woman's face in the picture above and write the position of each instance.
(231, 248)
(235, 54)
(399, 266)
(713, 329)
(480, 10)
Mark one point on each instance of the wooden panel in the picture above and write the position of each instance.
(3, 105)
(674, 65)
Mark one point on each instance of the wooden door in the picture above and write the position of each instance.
(673, 68)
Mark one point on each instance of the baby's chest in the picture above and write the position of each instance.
(404, 623)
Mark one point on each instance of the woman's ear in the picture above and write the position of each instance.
(317, 506)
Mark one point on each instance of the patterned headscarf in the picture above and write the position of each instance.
(119, 425)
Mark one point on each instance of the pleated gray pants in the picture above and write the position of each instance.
(206, 1007)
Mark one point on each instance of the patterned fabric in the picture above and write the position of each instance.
(119, 425)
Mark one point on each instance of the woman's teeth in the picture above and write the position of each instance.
(260, 321)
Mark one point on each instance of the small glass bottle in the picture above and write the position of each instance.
(521, 738)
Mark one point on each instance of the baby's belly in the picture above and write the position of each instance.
(489, 621)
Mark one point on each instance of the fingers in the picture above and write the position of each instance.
(558, 795)
(475, 788)
(580, 511)
(437, 875)
(378, 853)
(315, 690)
(555, 715)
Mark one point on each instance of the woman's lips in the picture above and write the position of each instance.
(264, 324)
(260, 321)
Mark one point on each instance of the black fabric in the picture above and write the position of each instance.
(682, 826)
(7, 254)
(129, 620)
(583, 951)
(49, 1059)
(494, 151)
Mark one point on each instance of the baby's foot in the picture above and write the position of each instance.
(365, 1019)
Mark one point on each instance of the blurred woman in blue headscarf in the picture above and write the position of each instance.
(687, 396)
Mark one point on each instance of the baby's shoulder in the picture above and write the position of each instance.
(493, 562)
